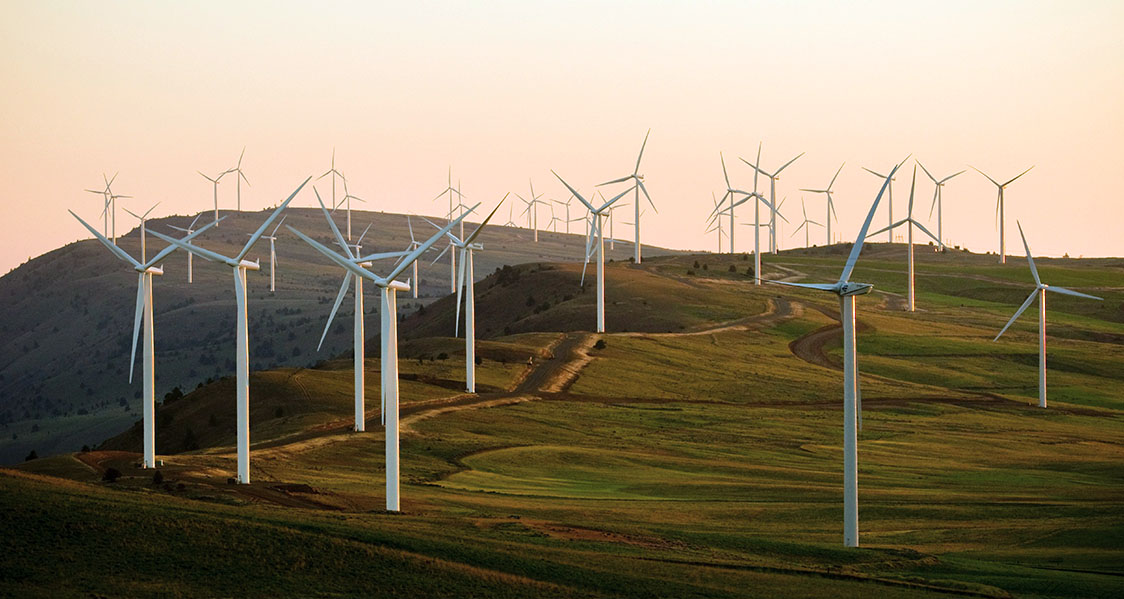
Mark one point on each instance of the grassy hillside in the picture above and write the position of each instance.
(694, 452)
(68, 318)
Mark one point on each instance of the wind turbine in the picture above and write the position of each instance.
(189, 230)
(773, 177)
(567, 205)
(347, 197)
(450, 190)
(109, 206)
(532, 210)
(272, 237)
(909, 221)
(999, 209)
(510, 222)
(359, 339)
(241, 177)
(465, 282)
(389, 336)
(847, 290)
(805, 225)
(334, 173)
(938, 187)
(638, 186)
(731, 193)
(1040, 290)
(889, 204)
(215, 184)
(142, 218)
(145, 272)
(413, 246)
(830, 203)
(717, 226)
(239, 265)
(596, 230)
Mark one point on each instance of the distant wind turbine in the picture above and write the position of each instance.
(532, 210)
(389, 336)
(1040, 290)
(239, 265)
(806, 225)
(142, 218)
(937, 200)
(999, 209)
(638, 186)
(272, 237)
(889, 204)
(773, 207)
(189, 230)
(215, 186)
(145, 272)
(450, 190)
(596, 236)
(910, 222)
(239, 178)
(334, 174)
(846, 290)
(830, 203)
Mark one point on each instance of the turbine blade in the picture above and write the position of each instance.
(334, 257)
(460, 287)
(1064, 291)
(637, 169)
(912, 187)
(194, 249)
(573, 191)
(137, 323)
(930, 175)
(887, 228)
(171, 248)
(439, 256)
(1029, 258)
(857, 248)
(382, 256)
(953, 175)
(818, 286)
(836, 176)
(986, 175)
(120, 253)
(274, 233)
(332, 224)
(362, 235)
(645, 190)
(272, 217)
(409, 259)
(481, 227)
(1017, 176)
(615, 198)
(786, 164)
(725, 175)
(335, 307)
(927, 232)
(1026, 304)
(621, 180)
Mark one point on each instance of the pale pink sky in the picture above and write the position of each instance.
(511, 90)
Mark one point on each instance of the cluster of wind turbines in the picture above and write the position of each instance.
(357, 268)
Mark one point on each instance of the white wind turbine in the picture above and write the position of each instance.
(215, 186)
(450, 190)
(189, 230)
(567, 205)
(145, 272)
(830, 203)
(359, 338)
(334, 173)
(732, 194)
(937, 200)
(532, 210)
(109, 209)
(272, 237)
(999, 209)
(239, 178)
(910, 222)
(346, 199)
(889, 204)
(1040, 290)
(806, 225)
(510, 222)
(142, 218)
(239, 265)
(846, 290)
(638, 186)
(465, 282)
(389, 336)
(596, 231)
(773, 207)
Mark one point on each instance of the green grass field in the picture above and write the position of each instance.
(697, 454)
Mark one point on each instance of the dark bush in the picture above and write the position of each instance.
(158, 478)
(733, 268)
(31, 456)
(111, 475)
(600, 344)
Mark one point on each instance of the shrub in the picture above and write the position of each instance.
(31, 456)
(733, 268)
(157, 478)
(442, 356)
(111, 475)
(600, 344)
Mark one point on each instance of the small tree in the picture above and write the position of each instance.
(31, 456)
(600, 344)
(111, 475)
(158, 478)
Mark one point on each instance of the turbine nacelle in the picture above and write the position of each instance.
(152, 270)
(397, 285)
(849, 288)
(248, 265)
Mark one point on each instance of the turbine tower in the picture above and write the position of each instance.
(239, 265)
(999, 209)
(272, 237)
(773, 208)
(889, 204)
(450, 190)
(389, 335)
(188, 231)
(806, 225)
(909, 221)
(215, 185)
(142, 218)
(145, 272)
(532, 210)
(830, 203)
(467, 246)
(241, 176)
(1040, 290)
(637, 186)
(846, 290)
(351, 251)
(346, 199)
(937, 202)
(596, 230)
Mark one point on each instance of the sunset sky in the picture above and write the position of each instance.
(506, 91)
